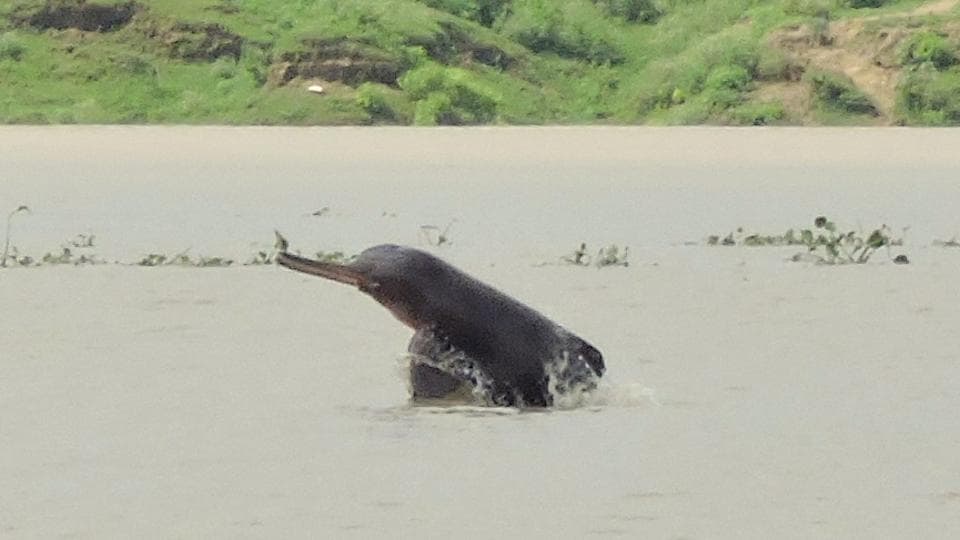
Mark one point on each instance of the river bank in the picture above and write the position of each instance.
(729, 62)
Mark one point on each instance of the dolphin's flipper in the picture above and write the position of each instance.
(429, 382)
(437, 370)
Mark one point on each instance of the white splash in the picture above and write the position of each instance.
(567, 383)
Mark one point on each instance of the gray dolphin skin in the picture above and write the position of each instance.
(467, 335)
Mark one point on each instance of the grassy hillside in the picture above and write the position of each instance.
(430, 62)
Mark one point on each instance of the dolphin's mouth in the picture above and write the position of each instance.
(333, 271)
(350, 276)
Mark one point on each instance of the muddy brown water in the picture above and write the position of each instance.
(747, 396)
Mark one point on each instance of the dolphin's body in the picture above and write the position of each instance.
(465, 332)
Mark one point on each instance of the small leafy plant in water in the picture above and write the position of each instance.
(435, 236)
(261, 258)
(282, 245)
(611, 255)
(951, 243)
(738, 237)
(77, 251)
(153, 259)
(6, 242)
(824, 243)
(183, 259)
(831, 247)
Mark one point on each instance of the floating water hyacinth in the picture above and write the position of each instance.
(824, 244)
(611, 255)
(951, 243)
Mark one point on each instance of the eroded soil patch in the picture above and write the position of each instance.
(340, 59)
(452, 45)
(197, 41)
(79, 14)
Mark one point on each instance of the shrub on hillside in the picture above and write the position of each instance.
(448, 96)
(11, 47)
(838, 92)
(727, 77)
(864, 3)
(928, 47)
(372, 100)
(639, 11)
(224, 67)
(485, 12)
(548, 26)
(773, 64)
(812, 8)
(930, 97)
(758, 114)
(701, 84)
(383, 104)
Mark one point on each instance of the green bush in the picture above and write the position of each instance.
(435, 109)
(383, 104)
(641, 11)
(729, 77)
(448, 96)
(422, 81)
(224, 67)
(928, 47)
(774, 65)
(371, 99)
(705, 81)
(549, 26)
(256, 62)
(812, 8)
(11, 47)
(758, 114)
(133, 64)
(485, 12)
(721, 99)
(930, 97)
(837, 92)
(865, 3)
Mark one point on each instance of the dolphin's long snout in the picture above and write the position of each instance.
(333, 271)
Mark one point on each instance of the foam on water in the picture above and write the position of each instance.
(567, 391)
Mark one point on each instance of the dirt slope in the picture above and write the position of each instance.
(864, 52)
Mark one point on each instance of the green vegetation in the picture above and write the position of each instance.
(611, 255)
(928, 47)
(6, 242)
(449, 96)
(931, 97)
(182, 259)
(951, 243)
(864, 3)
(836, 92)
(456, 62)
(435, 236)
(825, 245)
(929, 93)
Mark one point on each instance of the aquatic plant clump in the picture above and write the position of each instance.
(831, 247)
(611, 255)
(6, 243)
(951, 243)
(825, 245)
(434, 235)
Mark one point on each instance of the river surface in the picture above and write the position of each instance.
(747, 395)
